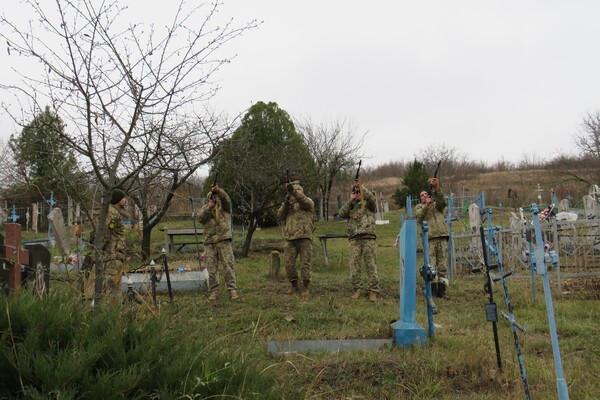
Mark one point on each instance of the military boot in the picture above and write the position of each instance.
(212, 296)
(373, 296)
(294, 288)
(233, 295)
(305, 289)
(442, 291)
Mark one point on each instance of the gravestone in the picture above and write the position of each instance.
(474, 218)
(58, 226)
(36, 274)
(590, 206)
(516, 223)
(563, 206)
(34, 217)
(13, 257)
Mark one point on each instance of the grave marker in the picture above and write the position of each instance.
(34, 220)
(474, 217)
(58, 225)
(406, 331)
(590, 206)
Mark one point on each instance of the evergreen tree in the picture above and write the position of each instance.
(252, 165)
(414, 181)
(42, 160)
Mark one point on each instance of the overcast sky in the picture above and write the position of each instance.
(496, 80)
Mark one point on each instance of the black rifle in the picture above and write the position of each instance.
(212, 195)
(289, 186)
(431, 191)
(355, 189)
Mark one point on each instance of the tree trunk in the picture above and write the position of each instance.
(327, 197)
(99, 239)
(146, 237)
(248, 240)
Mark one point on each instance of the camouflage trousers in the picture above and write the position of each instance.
(112, 292)
(220, 253)
(301, 249)
(438, 257)
(363, 252)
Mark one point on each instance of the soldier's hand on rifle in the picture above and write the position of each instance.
(211, 202)
(356, 192)
(435, 184)
(356, 187)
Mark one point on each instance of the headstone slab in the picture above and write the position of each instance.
(474, 217)
(37, 273)
(590, 206)
(34, 217)
(563, 206)
(58, 226)
(326, 345)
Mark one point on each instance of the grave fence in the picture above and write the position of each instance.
(576, 243)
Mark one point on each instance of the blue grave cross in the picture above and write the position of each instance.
(13, 215)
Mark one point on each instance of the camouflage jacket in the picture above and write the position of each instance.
(217, 221)
(434, 215)
(114, 241)
(297, 212)
(361, 216)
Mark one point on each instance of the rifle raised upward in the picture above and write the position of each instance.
(356, 189)
(212, 195)
(431, 191)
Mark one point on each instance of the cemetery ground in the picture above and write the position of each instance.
(188, 348)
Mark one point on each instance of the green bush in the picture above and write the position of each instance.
(60, 348)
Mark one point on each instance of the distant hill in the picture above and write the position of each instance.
(495, 185)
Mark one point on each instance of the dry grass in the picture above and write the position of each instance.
(495, 185)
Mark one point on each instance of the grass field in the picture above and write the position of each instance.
(459, 363)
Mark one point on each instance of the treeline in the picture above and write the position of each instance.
(472, 167)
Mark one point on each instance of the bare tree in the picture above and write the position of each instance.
(588, 139)
(336, 148)
(588, 143)
(454, 164)
(125, 91)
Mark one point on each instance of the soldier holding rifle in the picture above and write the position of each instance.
(215, 216)
(297, 213)
(431, 210)
(360, 213)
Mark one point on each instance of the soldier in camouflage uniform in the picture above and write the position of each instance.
(114, 251)
(215, 216)
(359, 212)
(431, 210)
(297, 212)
